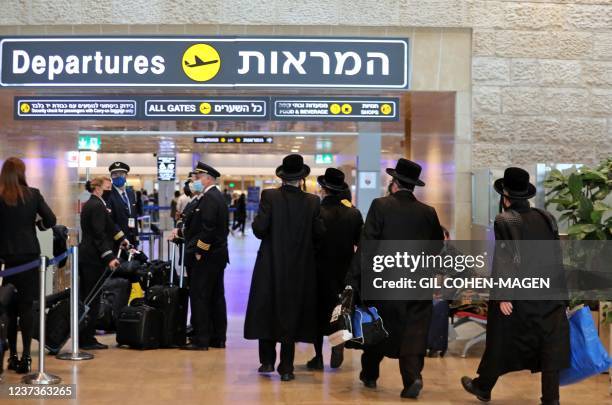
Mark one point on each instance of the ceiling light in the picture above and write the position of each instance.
(295, 150)
(299, 137)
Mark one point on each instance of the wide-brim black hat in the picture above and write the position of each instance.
(293, 168)
(515, 184)
(119, 167)
(202, 167)
(333, 180)
(406, 171)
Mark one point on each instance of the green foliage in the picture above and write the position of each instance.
(580, 197)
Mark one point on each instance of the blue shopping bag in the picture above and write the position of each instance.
(588, 356)
(368, 328)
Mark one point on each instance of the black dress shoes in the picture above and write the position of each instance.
(337, 356)
(95, 345)
(367, 383)
(25, 365)
(469, 386)
(13, 363)
(316, 363)
(266, 368)
(195, 347)
(287, 377)
(414, 390)
(217, 344)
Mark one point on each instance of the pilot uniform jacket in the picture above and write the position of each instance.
(400, 216)
(206, 229)
(121, 215)
(98, 231)
(343, 224)
(282, 303)
(536, 335)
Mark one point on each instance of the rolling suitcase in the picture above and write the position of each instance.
(437, 339)
(114, 296)
(139, 327)
(172, 301)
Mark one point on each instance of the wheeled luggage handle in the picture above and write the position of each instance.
(172, 262)
(182, 274)
(100, 283)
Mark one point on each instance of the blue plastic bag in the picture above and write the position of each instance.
(368, 328)
(588, 357)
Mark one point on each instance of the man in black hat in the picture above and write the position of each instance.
(521, 334)
(400, 216)
(206, 256)
(343, 224)
(282, 303)
(122, 204)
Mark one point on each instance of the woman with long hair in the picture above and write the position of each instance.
(22, 208)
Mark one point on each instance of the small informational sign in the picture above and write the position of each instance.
(64, 108)
(207, 108)
(89, 143)
(72, 158)
(368, 179)
(166, 168)
(324, 159)
(88, 159)
(325, 108)
(234, 139)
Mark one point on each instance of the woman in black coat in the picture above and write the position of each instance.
(240, 214)
(20, 206)
(343, 224)
(96, 251)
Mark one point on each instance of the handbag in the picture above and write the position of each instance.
(588, 357)
(368, 327)
(341, 319)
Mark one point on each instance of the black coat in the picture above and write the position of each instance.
(206, 228)
(97, 231)
(343, 225)
(18, 225)
(401, 216)
(120, 214)
(536, 335)
(282, 302)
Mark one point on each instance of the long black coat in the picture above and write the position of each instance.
(282, 302)
(400, 216)
(343, 225)
(536, 335)
(98, 229)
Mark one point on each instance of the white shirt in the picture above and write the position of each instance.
(182, 202)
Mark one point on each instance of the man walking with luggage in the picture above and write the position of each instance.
(532, 335)
(282, 303)
(400, 216)
(206, 255)
(343, 224)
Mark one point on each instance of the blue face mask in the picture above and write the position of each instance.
(119, 181)
(197, 186)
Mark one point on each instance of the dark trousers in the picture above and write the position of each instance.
(267, 355)
(89, 275)
(207, 294)
(549, 379)
(410, 365)
(21, 311)
(239, 223)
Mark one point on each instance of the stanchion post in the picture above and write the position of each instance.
(74, 354)
(151, 243)
(41, 377)
(160, 245)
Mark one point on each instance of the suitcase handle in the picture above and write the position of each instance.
(100, 283)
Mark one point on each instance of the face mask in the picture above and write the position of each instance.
(119, 181)
(106, 194)
(197, 186)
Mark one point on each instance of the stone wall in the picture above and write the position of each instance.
(541, 70)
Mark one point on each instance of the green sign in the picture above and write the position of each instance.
(324, 159)
(89, 143)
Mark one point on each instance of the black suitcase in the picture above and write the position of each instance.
(437, 339)
(172, 301)
(114, 296)
(139, 327)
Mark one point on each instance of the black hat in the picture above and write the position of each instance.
(293, 168)
(406, 171)
(119, 167)
(204, 168)
(515, 184)
(333, 180)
